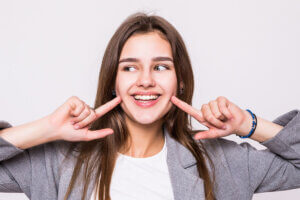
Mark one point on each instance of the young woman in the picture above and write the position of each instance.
(138, 142)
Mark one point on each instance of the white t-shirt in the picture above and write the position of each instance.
(141, 178)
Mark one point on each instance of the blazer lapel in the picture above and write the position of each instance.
(185, 180)
(66, 175)
(184, 177)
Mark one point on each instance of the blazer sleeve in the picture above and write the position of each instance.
(275, 168)
(13, 159)
(35, 171)
(282, 169)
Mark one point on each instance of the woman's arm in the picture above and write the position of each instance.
(276, 168)
(265, 129)
(28, 135)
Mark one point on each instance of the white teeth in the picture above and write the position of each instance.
(145, 97)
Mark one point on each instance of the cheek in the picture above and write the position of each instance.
(123, 85)
(169, 89)
(169, 84)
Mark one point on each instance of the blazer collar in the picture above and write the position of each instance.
(183, 155)
(186, 183)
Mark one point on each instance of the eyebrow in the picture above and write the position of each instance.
(160, 58)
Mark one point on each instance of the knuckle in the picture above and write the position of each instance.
(211, 102)
(204, 106)
(71, 105)
(93, 115)
(218, 115)
(86, 112)
(210, 118)
(223, 110)
(221, 98)
(205, 115)
(73, 98)
(80, 107)
(79, 124)
(81, 103)
(202, 110)
(76, 112)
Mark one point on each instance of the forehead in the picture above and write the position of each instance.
(146, 46)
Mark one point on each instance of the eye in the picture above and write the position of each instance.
(162, 66)
(127, 68)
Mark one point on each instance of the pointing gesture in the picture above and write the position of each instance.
(70, 121)
(221, 116)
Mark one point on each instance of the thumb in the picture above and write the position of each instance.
(93, 135)
(203, 135)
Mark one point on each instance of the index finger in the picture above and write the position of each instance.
(187, 108)
(103, 109)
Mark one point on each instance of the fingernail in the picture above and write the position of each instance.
(224, 127)
(76, 126)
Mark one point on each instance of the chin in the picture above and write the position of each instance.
(145, 119)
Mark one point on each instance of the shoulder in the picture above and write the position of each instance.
(225, 145)
(223, 151)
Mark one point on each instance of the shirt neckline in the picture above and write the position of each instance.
(146, 158)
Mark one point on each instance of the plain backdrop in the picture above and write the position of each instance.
(247, 51)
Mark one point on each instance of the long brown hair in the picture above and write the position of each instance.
(100, 155)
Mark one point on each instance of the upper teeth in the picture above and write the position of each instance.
(145, 97)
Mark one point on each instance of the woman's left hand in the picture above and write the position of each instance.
(217, 114)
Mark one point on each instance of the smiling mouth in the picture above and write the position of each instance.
(145, 103)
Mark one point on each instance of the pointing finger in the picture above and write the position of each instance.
(188, 108)
(103, 109)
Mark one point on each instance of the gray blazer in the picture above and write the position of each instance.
(241, 170)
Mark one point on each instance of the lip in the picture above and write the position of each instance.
(146, 104)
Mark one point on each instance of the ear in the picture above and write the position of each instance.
(181, 84)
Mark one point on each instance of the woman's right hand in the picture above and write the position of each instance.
(74, 112)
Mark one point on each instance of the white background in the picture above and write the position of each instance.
(247, 51)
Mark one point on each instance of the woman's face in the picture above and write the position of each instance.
(146, 66)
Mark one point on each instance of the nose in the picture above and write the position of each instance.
(145, 80)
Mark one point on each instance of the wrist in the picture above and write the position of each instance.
(246, 125)
(47, 129)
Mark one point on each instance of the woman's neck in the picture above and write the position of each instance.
(144, 140)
